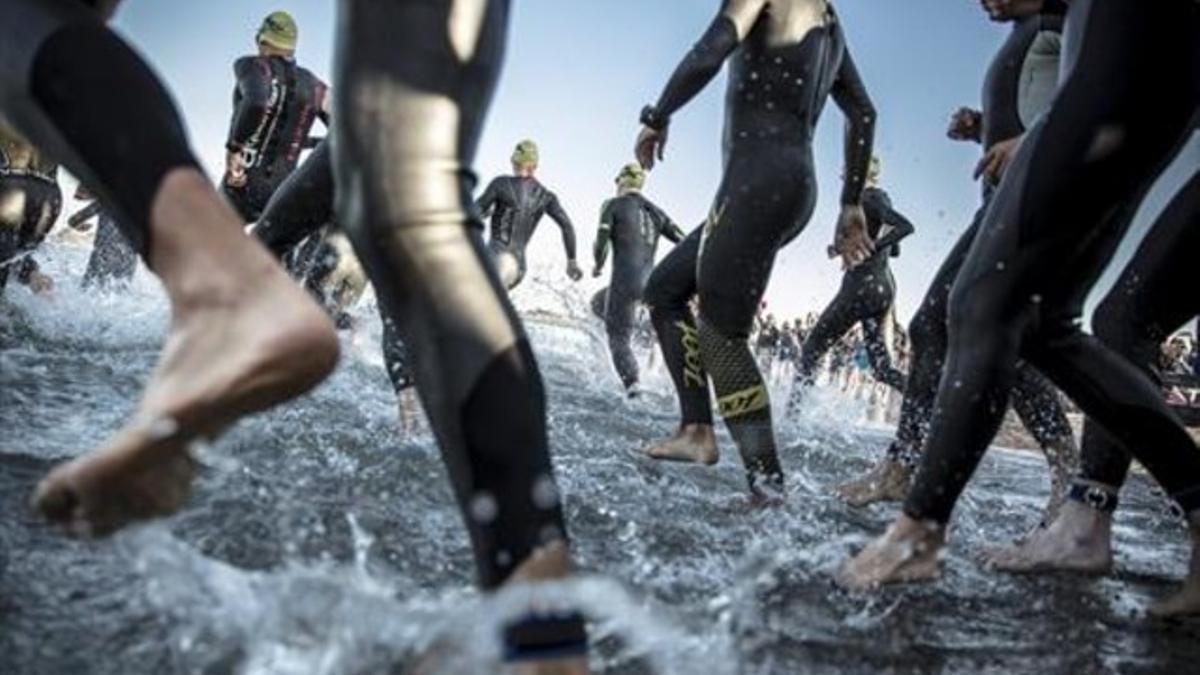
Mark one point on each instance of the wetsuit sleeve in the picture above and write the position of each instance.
(696, 70)
(487, 201)
(558, 215)
(1039, 77)
(254, 93)
(666, 226)
(323, 106)
(902, 228)
(603, 235)
(851, 96)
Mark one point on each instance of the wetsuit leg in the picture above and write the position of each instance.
(1148, 304)
(836, 320)
(301, 206)
(669, 292)
(1054, 225)
(112, 260)
(395, 355)
(29, 207)
(751, 221)
(414, 82)
(878, 354)
(618, 323)
(78, 92)
(599, 303)
(1039, 407)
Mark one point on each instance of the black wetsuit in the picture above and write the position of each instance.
(404, 182)
(866, 296)
(275, 105)
(633, 225)
(113, 261)
(1149, 302)
(293, 227)
(1054, 224)
(1011, 100)
(75, 89)
(25, 175)
(766, 197)
(516, 206)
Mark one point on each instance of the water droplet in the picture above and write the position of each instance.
(484, 508)
(545, 493)
(1000, 266)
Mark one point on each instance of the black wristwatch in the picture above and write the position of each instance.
(652, 118)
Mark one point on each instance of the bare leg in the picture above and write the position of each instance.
(695, 443)
(230, 352)
(549, 563)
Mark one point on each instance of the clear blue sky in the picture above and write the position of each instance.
(578, 72)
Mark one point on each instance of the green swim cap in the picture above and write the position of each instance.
(632, 177)
(279, 31)
(525, 154)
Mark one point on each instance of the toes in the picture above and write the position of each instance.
(56, 500)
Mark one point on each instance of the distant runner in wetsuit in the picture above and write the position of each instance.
(300, 215)
(30, 203)
(113, 261)
(867, 296)
(516, 205)
(1018, 88)
(786, 58)
(1057, 219)
(275, 105)
(632, 225)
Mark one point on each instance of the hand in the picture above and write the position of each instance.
(40, 283)
(852, 240)
(650, 145)
(83, 194)
(966, 125)
(235, 169)
(573, 270)
(596, 272)
(996, 161)
(1003, 10)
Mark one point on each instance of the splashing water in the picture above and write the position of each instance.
(321, 540)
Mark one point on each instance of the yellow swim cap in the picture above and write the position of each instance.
(525, 154)
(631, 177)
(279, 31)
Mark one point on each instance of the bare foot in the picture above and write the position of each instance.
(1062, 456)
(1079, 540)
(695, 443)
(1186, 602)
(243, 338)
(907, 552)
(549, 563)
(887, 481)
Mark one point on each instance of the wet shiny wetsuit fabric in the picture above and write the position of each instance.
(300, 210)
(1052, 229)
(275, 105)
(1149, 302)
(631, 225)
(867, 295)
(516, 206)
(113, 261)
(766, 197)
(79, 93)
(1017, 89)
(415, 81)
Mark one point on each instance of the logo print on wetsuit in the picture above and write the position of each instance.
(743, 402)
(693, 368)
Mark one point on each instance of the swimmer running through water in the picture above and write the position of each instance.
(786, 57)
(631, 224)
(1109, 133)
(516, 205)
